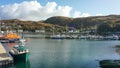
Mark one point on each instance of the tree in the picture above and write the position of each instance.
(104, 29)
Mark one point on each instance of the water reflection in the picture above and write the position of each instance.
(48, 53)
(62, 54)
(22, 64)
(7, 66)
(113, 63)
(117, 48)
(17, 64)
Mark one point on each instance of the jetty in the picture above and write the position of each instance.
(5, 57)
(109, 63)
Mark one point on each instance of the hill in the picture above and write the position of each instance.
(84, 22)
(102, 24)
(15, 24)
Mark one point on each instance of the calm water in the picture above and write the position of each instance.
(50, 53)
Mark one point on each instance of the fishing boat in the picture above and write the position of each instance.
(13, 38)
(20, 52)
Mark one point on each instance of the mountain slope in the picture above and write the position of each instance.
(83, 22)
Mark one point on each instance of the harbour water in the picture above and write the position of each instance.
(67, 53)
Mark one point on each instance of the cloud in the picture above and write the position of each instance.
(76, 14)
(33, 10)
(79, 14)
(99, 14)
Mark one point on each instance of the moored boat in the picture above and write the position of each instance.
(58, 36)
(20, 53)
(11, 38)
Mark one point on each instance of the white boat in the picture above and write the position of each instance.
(113, 37)
(58, 36)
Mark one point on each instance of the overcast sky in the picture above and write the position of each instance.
(36, 10)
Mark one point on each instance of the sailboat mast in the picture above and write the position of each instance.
(81, 29)
(66, 28)
(0, 26)
(53, 28)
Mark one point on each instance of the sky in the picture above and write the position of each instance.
(36, 10)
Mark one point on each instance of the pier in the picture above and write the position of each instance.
(5, 57)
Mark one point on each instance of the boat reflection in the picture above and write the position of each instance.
(7, 66)
(22, 64)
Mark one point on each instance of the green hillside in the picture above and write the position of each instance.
(101, 24)
(31, 26)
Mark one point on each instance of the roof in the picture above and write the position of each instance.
(12, 36)
(20, 48)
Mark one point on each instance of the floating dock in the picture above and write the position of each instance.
(5, 57)
(110, 64)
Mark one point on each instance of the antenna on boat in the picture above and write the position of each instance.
(21, 42)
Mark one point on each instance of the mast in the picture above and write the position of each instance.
(95, 29)
(0, 26)
(66, 28)
(81, 29)
(53, 32)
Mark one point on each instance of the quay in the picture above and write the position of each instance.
(109, 63)
(5, 57)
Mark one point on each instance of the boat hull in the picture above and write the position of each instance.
(20, 57)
